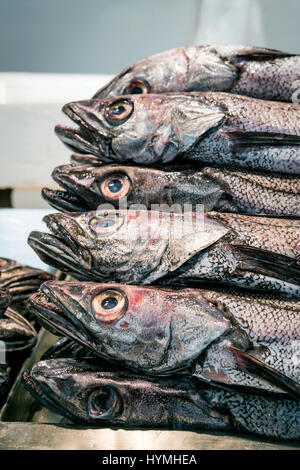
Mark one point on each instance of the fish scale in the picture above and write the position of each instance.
(271, 324)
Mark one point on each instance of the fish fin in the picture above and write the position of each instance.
(240, 140)
(261, 53)
(249, 364)
(271, 264)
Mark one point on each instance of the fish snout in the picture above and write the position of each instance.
(87, 113)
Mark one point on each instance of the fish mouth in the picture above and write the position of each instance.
(82, 138)
(43, 394)
(61, 250)
(55, 317)
(63, 200)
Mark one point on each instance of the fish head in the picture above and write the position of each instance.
(192, 68)
(89, 393)
(142, 128)
(124, 245)
(150, 329)
(124, 186)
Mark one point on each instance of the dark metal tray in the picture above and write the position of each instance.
(25, 424)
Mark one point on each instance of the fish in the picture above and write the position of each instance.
(215, 128)
(86, 187)
(4, 383)
(93, 395)
(230, 338)
(5, 300)
(252, 71)
(129, 246)
(67, 348)
(19, 280)
(17, 334)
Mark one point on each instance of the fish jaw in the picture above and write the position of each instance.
(63, 200)
(89, 136)
(124, 399)
(80, 183)
(59, 248)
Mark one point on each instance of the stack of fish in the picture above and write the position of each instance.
(213, 343)
(18, 332)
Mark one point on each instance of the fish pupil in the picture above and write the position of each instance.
(136, 90)
(119, 110)
(115, 186)
(103, 401)
(105, 223)
(109, 303)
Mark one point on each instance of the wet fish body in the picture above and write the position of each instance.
(218, 129)
(17, 334)
(89, 395)
(258, 253)
(88, 186)
(4, 301)
(237, 339)
(20, 281)
(252, 71)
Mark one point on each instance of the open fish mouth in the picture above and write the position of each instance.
(56, 318)
(81, 138)
(62, 200)
(60, 250)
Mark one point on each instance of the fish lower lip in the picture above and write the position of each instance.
(76, 139)
(53, 316)
(63, 200)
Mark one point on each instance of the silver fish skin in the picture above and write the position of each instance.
(89, 394)
(252, 71)
(239, 339)
(253, 252)
(87, 186)
(219, 129)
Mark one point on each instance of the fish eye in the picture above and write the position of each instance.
(115, 186)
(106, 224)
(118, 112)
(109, 305)
(137, 87)
(103, 402)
